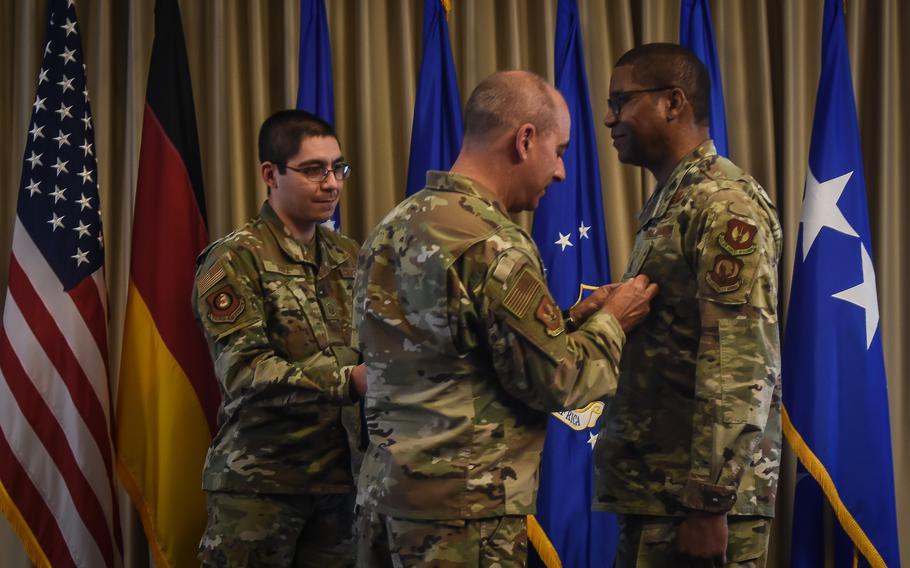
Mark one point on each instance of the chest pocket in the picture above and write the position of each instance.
(334, 293)
(294, 323)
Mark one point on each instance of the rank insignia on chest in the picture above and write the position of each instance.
(548, 313)
(738, 238)
(224, 305)
(725, 275)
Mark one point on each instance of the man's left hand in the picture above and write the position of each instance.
(703, 535)
(585, 308)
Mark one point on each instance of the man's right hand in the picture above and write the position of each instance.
(630, 301)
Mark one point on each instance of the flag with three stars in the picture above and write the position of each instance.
(834, 388)
(569, 231)
(437, 130)
(56, 455)
(697, 34)
(315, 90)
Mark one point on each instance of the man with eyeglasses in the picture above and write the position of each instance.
(274, 301)
(465, 348)
(689, 452)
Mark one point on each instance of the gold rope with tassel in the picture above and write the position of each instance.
(447, 6)
(817, 470)
(542, 544)
(22, 530)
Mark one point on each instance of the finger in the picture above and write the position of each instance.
(651, 291)
(641, 280)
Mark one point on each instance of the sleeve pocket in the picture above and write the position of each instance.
(749, 367)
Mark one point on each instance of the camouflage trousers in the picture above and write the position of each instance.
(386, 542)
(278, 531)
(650, 542)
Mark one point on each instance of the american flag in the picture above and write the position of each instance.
(56, 464)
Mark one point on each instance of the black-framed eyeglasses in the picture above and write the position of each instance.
(619, 100)
(318, 173)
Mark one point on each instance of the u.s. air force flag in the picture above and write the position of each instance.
(834, 388)
(697, 34)
(569, 231)
(315, 91)
(437, 130)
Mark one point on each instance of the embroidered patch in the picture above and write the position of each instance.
(738, 238)
(519, 298)
(725, 275)
(210, 278)
(224, 305)
(548, 313)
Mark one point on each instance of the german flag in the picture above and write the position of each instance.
(167, 396)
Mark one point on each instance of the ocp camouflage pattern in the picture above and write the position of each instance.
(277, 318)
(695, 423)
(466, 354)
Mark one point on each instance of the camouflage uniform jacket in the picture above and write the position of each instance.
(278, 325)
(466, 353)
(695, 423)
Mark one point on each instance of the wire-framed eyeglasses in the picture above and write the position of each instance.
(318, 173)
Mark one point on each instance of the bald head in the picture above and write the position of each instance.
(507, 99)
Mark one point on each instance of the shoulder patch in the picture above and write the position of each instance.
(210, 278)
(738, 238)
(725, 275)
(224, 305)
(548, 313)
(525, 289)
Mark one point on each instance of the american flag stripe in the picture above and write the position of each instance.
(43, 377)
(40, 441)
(66, 314)
(32, 509)
(51, 346)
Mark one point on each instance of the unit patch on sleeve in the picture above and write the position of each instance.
(738, 238)
(725, 275)
(224, 305)
(548, 313)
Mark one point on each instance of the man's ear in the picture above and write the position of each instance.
(524, 139)
(676, 104)
(268, 171)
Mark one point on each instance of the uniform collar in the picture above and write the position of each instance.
(450, 181)
(331, 254)
(662, 196)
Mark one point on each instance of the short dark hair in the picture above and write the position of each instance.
(281, 134)
(658, 64)
(510, 97)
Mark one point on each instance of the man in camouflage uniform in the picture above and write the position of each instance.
(274, 301)
(690, 448)
(466, 350)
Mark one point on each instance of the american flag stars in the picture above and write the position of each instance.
(60, 161)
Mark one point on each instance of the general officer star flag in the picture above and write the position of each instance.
(569, 231)
(834, 387)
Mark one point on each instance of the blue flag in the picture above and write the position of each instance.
(436, 133)
(315, 92)
(834, 387)
(569, 231)
(697, 34)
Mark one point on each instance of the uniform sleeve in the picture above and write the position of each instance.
(536, 360)
(738, 365)
(228, 300)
